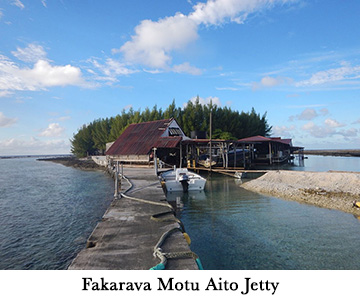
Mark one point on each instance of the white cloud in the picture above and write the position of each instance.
(216, 12)
(154, 41)
(352, 132)
(34, 146)
(18, 3)
(324, 111)
(45, 75)
(110, 70)
(39, 77)
(205, 101)
(186, 68)
(269, 82)
(5, 121)
(346, 72)
(333, 123)
(32, 53)
(64, 118)
(53, 130)
(306, 115)
(318, 131)
(5, 94)
(283, 131)
(227, 89)
(329, 129)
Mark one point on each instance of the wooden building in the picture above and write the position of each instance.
(137, 143)
(271, 150)
(224, 153)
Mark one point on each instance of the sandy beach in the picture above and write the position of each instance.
(333, 190)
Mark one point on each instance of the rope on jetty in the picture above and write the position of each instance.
(156, 217)
(163, 256)
(138, 199)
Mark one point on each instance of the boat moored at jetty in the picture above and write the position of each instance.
(182, 180)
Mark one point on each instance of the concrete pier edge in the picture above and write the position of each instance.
(130, 230)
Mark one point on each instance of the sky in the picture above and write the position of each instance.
(65, 63)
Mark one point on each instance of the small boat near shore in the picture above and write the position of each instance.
(182, 180)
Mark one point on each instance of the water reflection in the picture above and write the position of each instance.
(232, 228)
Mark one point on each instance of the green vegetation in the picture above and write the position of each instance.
(227, 124)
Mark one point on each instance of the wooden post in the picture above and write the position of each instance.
(116, 194)
(235, 148)
(180, 165)
(210, 138)
(244, 156)
(122, 172)
(270, 158)
(155, 162)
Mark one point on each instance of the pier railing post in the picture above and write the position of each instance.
(116, 194)
(155, 162)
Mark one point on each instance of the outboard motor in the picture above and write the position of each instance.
(182, 176)
(184, 180)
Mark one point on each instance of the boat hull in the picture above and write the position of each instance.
(171, 182)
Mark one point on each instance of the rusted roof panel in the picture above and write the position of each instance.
(168, 142)
(257, 138)
(139, 139)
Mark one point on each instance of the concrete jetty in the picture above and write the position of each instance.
(130, 229)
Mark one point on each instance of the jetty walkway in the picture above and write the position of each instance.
(133, 227)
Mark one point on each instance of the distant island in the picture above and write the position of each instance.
(334, 152)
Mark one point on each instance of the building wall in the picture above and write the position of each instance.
(173, 124)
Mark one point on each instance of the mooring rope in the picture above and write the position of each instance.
(138, 199)
(164, 256)
(156, 217)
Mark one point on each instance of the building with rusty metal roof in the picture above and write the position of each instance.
(271, 149)
(136, 143)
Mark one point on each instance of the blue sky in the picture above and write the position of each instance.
(65, 63)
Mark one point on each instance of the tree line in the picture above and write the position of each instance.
(227, 124)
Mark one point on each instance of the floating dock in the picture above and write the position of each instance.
(134, 228)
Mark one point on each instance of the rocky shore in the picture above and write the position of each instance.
(71, 161)
(333, 190)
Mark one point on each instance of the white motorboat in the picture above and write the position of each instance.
(182, 180)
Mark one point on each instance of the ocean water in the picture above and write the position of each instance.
(47, 212)
(318, 163)
(235, 229)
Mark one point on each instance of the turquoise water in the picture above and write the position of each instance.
(232, 228)
(47, 212)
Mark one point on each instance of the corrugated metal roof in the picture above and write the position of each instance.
(259, 138)
(167, 142)
(139, 139)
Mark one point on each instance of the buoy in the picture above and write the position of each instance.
(356, 204)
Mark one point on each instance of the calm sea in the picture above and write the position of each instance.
(47, 212)
(232, 228)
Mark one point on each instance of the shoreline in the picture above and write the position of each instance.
(71, 161)
(343, 153)
(331, 190)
